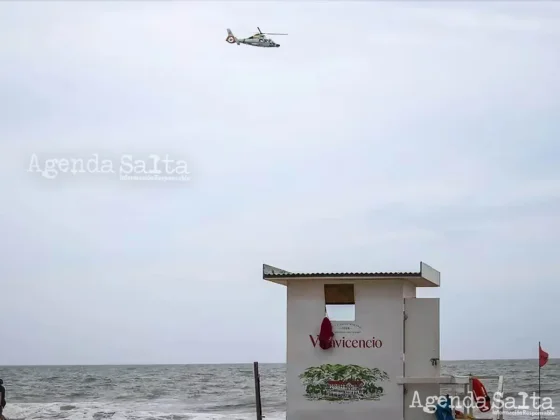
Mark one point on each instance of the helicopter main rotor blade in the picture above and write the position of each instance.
(259, 30)
(271, 33)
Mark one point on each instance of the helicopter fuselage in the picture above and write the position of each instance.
(258, 42)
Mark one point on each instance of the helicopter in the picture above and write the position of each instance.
(257, 40)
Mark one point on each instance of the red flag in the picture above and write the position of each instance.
(543, 357)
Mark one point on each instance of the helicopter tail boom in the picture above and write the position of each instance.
(231, 37)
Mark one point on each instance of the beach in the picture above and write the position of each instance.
(203, 392)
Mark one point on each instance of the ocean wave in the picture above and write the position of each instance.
(94, 411)
(201, 392)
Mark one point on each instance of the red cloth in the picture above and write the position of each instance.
(326, 335)
(543, 357)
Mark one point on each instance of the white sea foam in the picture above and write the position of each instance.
(101, 411)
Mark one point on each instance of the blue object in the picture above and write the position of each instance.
(444, 410)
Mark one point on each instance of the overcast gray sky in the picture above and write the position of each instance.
(378, 135)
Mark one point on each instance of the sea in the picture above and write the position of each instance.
(204, 392)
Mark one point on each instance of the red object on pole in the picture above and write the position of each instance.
(543, 357)
(479, 391)
(326, 335)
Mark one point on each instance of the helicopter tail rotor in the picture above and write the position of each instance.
(231, 38)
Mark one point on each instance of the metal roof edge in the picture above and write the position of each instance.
(427, 277)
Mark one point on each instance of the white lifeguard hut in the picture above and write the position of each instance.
(386, 344)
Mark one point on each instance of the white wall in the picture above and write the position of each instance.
(409, 290)
(379, 313)
(421, 345)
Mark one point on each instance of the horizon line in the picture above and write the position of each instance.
(231, 363)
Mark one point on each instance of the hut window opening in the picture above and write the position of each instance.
(340, 303)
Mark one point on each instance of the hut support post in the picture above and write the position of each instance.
(257, 390)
